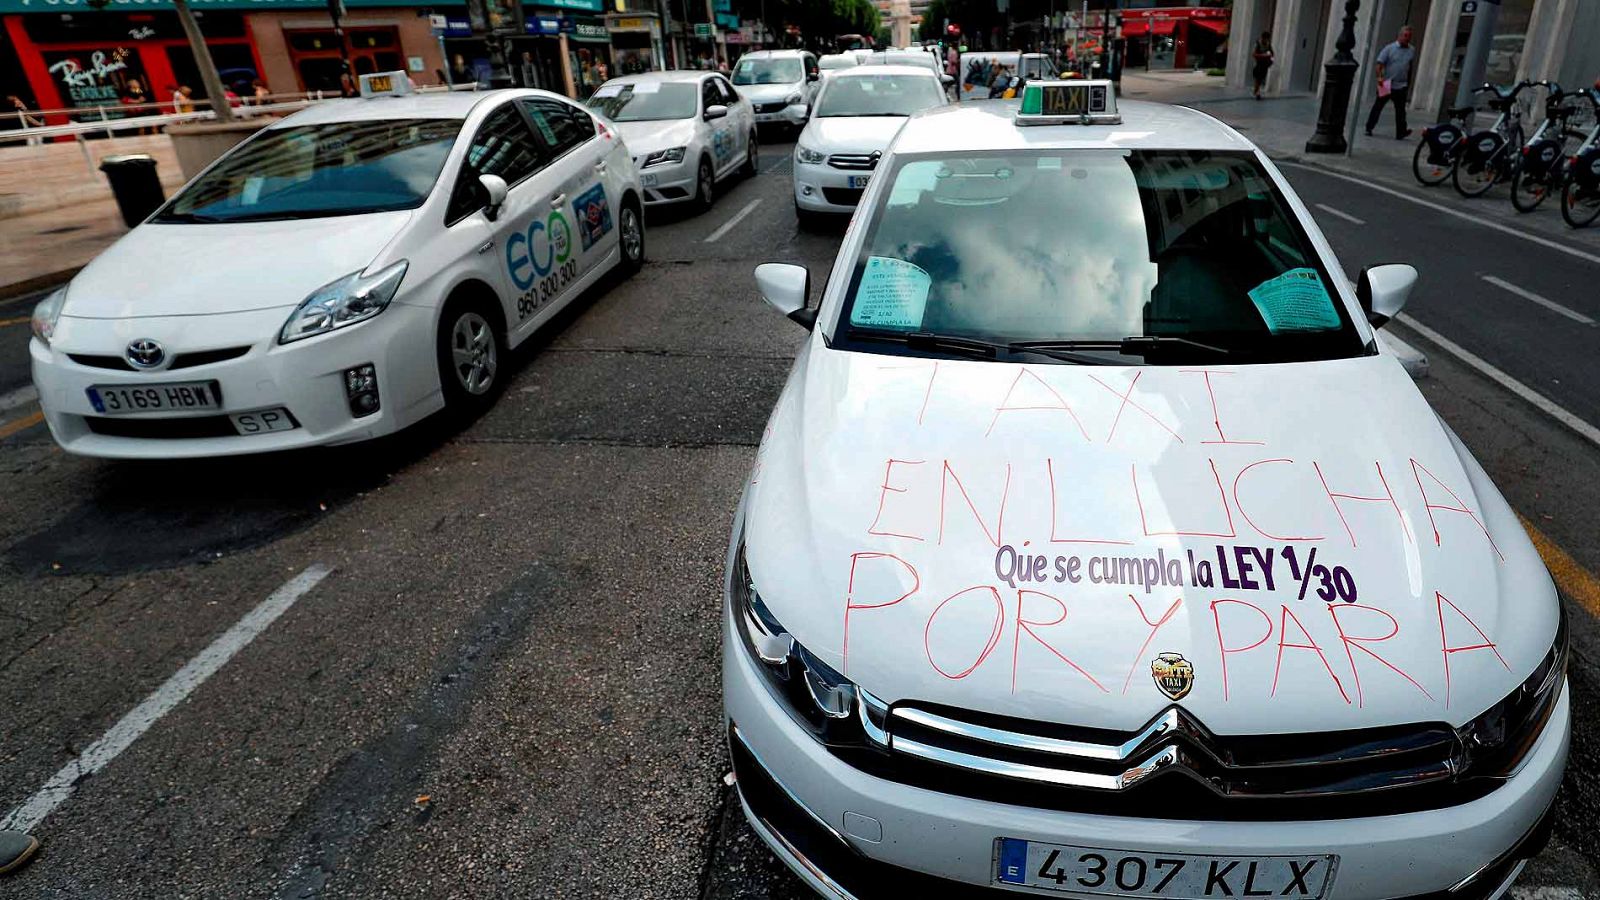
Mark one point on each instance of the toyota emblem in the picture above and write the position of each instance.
(145, 354)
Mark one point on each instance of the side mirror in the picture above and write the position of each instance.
(716, 111)
(495, 187)
(812, 75)
(947, 78)
(786, 288)
(1384, 290)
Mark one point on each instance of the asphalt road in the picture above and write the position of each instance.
(493, 669)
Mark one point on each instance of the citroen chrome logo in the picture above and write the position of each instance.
(145, 354)
(1174, 675)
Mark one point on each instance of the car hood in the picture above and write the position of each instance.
(770, 93)
(174, 270)
(851, 134)
(1030, 541)
(644, 138)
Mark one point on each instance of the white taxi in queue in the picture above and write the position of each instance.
(781, 85)
(858, 113)
(338, 276)
(1095, 546)
(687, 131)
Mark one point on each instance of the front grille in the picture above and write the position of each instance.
(843, 196)
(182, 428)
(770, 107)
(1173, 767)
(181, 361)
(855, 161)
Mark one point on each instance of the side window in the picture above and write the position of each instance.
(503, 146)
(710, 94)
(729, 95)
(561, 125)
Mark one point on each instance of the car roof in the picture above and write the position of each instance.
(993, 126)
(772, 54)
(683, 76)
(868, 71)
(430, 105)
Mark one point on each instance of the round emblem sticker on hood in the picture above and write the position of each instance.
(1174, 675)
(145, 353)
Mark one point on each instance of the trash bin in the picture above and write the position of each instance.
(135, 184)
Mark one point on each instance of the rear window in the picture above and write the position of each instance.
(1095, 247)
(857, 94)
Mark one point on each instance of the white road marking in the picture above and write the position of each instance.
(22, 396)
(1544, 404)
(1437, 207)
(174, 691)
(1526, 294)
(1340, 214)
(737, 218)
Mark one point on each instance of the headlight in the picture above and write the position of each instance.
(661, 157)
(832, 707)
(354, 298)
(47, 313)
(807, 155)
(1496, 742)
(793, 99)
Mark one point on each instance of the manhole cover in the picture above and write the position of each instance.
(63, 229)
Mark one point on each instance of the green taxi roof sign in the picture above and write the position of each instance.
(1076, 102)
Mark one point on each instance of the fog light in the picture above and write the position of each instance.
(361, 387)
(806, 189)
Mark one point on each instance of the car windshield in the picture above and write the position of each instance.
(332, 169)
(646, 101)
(1112, 256)
(767, 71)
(878, 95)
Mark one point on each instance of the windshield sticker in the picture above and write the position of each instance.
(608, 90)
(539, 122)
(252, 190)
(647, 87)
(893, 294)
(1295, 301)
(593, 215)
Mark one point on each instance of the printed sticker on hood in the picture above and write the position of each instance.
(1276, 547)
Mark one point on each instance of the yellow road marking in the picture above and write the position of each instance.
(26, 422)
(17, 321)
(1571, 577)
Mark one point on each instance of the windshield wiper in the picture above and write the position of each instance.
(189, 218)
(1134, 345)
(924, 340)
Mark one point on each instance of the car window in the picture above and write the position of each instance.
(786, 70)
(333, 169)
(503, 146)
(710, 94)
(729, 95)
(645, 101)
(560, 125)
(878, 95)
(1188, 244)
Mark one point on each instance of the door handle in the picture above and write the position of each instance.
(600, 168)
(557, 200)
(487, 246)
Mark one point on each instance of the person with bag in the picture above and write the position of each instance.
(1394, 83)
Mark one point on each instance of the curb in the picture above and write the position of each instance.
(1414, 360)
(20, 289)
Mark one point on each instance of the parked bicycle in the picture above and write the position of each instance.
(1491, 156)
(1542, 167)
(1440, 147)
(1580, 188)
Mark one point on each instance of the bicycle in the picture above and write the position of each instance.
(1440, 147)
(1542, 167)
(1491, 156)
(1580, 188)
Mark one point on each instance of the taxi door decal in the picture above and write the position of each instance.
(593, 213)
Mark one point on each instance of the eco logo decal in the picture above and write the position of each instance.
(1174, 675)
(531, 255)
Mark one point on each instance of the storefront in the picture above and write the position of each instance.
(635, 42)
(1175, 37)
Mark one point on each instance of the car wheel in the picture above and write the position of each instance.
(751, 158)
(705, 190)
(471, 352)
(630, 234)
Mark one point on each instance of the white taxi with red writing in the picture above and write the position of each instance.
(340, 275)
(1097, 548)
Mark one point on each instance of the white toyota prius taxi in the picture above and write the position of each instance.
(1096, 547)
(338, 276)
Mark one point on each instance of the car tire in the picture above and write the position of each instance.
(472, 355)
(752, 158)
(630, 238)
(705, 186)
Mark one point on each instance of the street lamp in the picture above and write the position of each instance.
(1336, 84)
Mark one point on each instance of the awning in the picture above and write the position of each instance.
(1220, 26)
(1142, 27)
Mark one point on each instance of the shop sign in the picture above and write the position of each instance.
(702, 29)
(630, 25)
(93, 77)
(727, 20)
(589, 31)
(543, 25)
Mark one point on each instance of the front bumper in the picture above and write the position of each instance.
(793, 115)
(669, 183)
(822, 188)
(852, 835)
(305, 377)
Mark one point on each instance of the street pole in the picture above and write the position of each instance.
(1339, 78)
(209, 79)
(1476, 61)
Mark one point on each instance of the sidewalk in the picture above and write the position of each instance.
(1280, 126)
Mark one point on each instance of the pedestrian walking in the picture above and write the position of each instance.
(1263, 56)
(1394, 82)
(16, 848)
